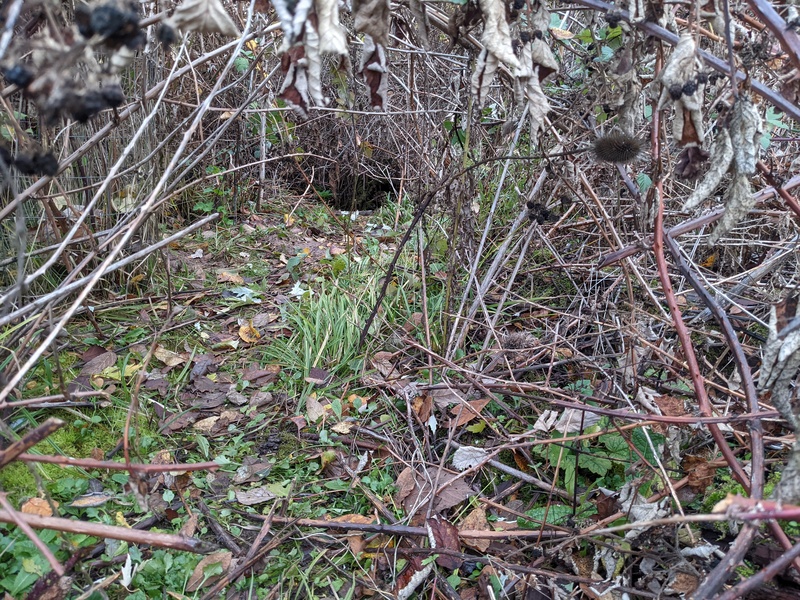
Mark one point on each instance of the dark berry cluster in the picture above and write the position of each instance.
(538, 212)
(166, 35)
(116, 22)
(676, 90)
(38, 163)
(18, 75)
(613, 18)
(84, 105)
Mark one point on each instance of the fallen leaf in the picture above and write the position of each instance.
(421, 405)
(445, 397)
(314, 409)
(699, 471)
(249, 334)
(90, 500)
(445, 536)
(343, 428)
(168, 357)
(574, 421)
(190, 527)
(383, 363)
(229, 277)
(411, 577)
(217, 563)
(257, 495)
(317, 376)
(207, 424)
(467, 457)
(415, 489)
(99, 363)
(476, 521)
(38, 506)
(464, 413)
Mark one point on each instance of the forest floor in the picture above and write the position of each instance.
(343, 472)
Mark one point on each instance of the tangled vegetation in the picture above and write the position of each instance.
(454, 299)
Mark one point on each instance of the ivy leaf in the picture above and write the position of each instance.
(205, 16)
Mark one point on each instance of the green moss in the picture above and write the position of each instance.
(17, 479)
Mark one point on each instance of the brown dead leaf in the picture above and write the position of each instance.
(249, 334)
(422, 406)
(446, 536)
(445, 397)
(198, 578)
(258, 376)
(670, 405)
(299, 422)
(476, 521)
(699, 471)
(521, 461)
(229, 277)
(354, 539)
(257, 495)
(168, 357)
(190, 527)
(99, 364)
(92, 352)
(318, 377)
(38, 506)
(383, 362)
(411, 577)
(90, 500)
(343, 427)
(314, 409)
(207, 424)
(464, 413)
(415, 489)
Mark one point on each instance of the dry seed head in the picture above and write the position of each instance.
(617, 148)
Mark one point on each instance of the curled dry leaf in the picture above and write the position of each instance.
(740, 201)
(467, 457)
(721, 157)
(538, 107)
(292, 15)
(375, 72)
(294, 90)
(372, 18)
(781, 360)
(496, 36)
(204, 16)
(311, 41)
(485, 69)
(332, 36)
(199, 579)
(681, 87)
(746, 130)
(476, 521)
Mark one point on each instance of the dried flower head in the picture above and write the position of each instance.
(617, 147)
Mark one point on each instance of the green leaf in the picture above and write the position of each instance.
(477, 427)
(617, 447)
(241, 64)
(644, 182)
(203, 445)
(454, 580)
(595, 464)
(557, 514)
(640, 441)
(569, 475)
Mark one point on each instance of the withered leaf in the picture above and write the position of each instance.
(205, 16)
(198, 578)
(445, 537)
